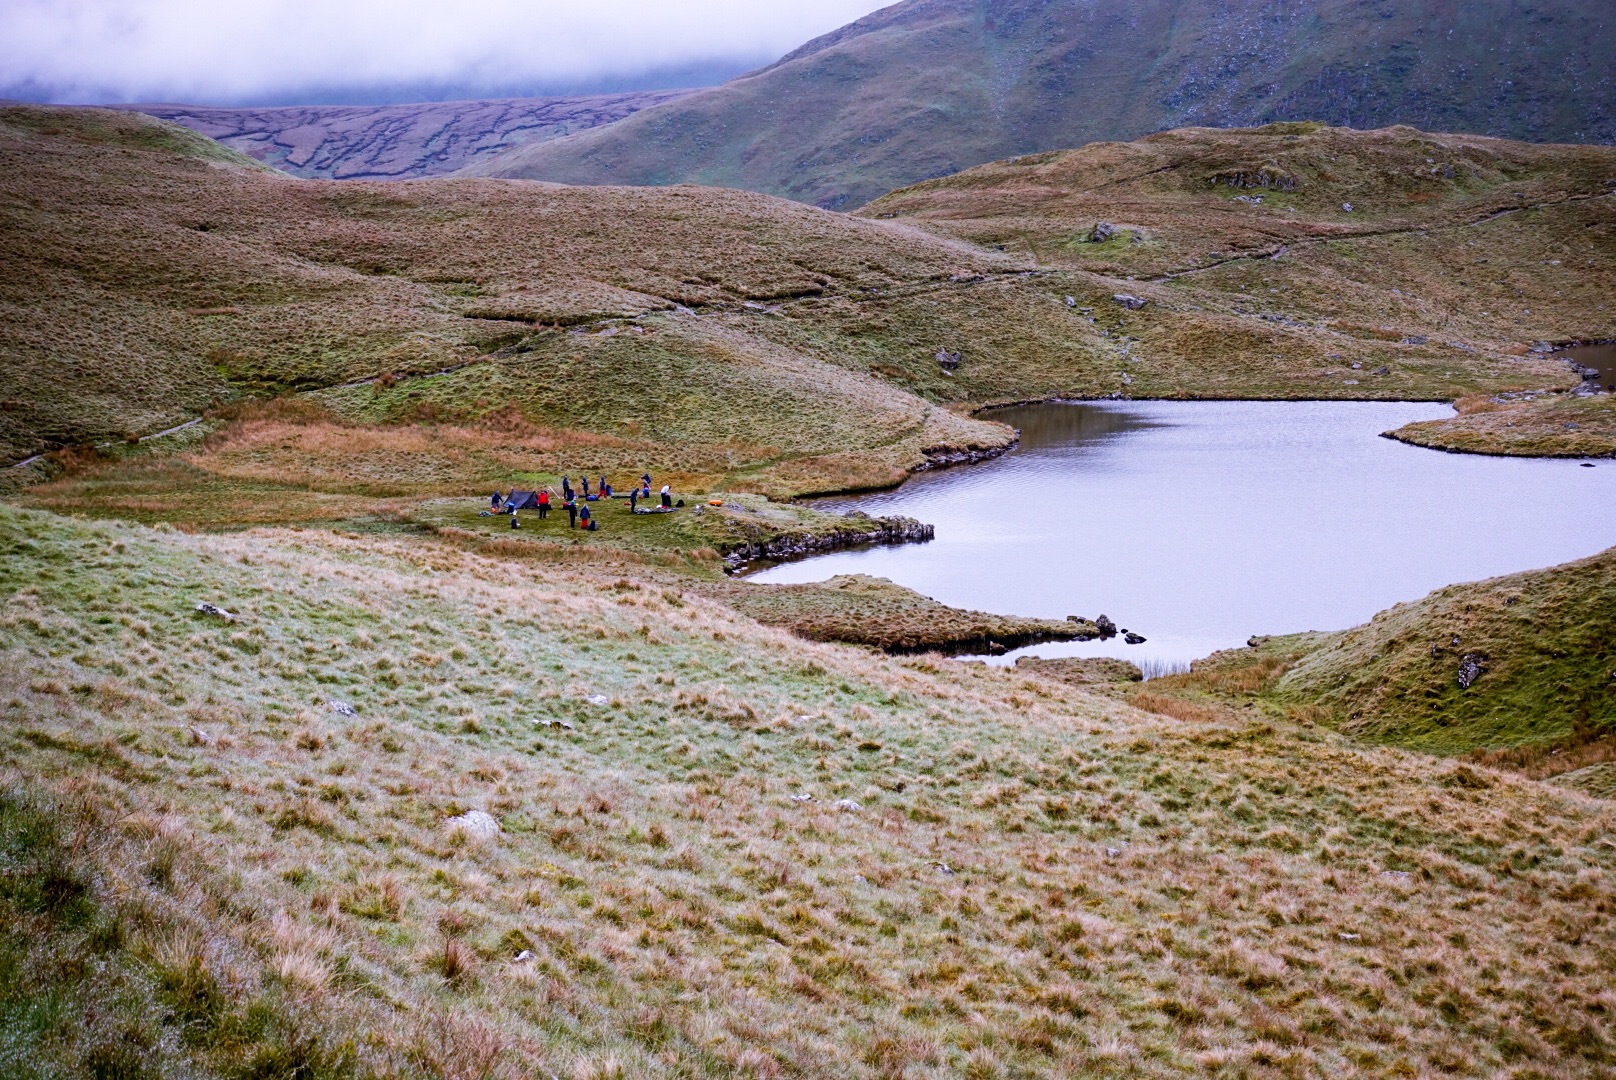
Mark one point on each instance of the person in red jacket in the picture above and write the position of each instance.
(544, 504)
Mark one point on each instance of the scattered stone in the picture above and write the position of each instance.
(1103, 231)
(523, 957)
(1071, 301)
(476, 823)
(1356, 365)
(1112, 852)
(1346, 207)
(555, 723)
(598, 699)
(1132, 303)
(847, 804)
(1382, 371)
(944, 868)
(804, 797)
(1401, 875)
(342, 708)
(1471, 668)
(1133, 639)
(1348, 937)
(1106, 627)
(200, 737)
(950, 361)
(861, 879)
(205, 608)
(1588, 465)
(1415, 339)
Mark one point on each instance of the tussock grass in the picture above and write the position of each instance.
(1541, 425)
(1123, 892)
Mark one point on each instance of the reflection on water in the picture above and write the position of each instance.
(1602, 358)
(1201, 523)
(1045, 426)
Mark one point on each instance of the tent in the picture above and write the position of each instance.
(522, 500)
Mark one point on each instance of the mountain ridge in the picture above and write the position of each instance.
(929, 87)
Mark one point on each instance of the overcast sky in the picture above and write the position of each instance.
(304, 51)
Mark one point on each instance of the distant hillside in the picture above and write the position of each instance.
(929, 87)
(398, 142)
(762, 344)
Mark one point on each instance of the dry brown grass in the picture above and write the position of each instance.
(1124, 891)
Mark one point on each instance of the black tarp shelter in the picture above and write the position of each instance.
(522, 500)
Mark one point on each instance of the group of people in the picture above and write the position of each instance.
(576, 503)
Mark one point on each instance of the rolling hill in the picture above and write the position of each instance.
(929, 87)
(753, 343)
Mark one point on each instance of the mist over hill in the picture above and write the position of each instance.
(928, 87)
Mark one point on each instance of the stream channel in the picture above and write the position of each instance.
(1199, 524)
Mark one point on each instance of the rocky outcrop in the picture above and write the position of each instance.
(399, 142)
(861, 529)
(945, 457)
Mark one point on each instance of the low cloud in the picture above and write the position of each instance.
(268, 51)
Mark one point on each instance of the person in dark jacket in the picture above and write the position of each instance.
(572, 513)
(495, 502)
(633, 498)
(566, 489)
(585, 480)
(667, 497)
(584, 520)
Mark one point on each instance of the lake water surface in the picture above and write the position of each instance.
(1602, 358)
(1198, 524)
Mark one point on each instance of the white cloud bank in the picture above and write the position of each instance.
(244, 50)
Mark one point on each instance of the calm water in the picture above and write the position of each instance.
(1198, 524)
(1602, 358)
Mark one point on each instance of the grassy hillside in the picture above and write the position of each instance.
(267, 886)
(1517, 672)
(929, 87)
(451, 334)
(1543, 652)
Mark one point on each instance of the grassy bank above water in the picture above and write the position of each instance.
(1028, 879)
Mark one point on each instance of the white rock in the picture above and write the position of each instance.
(804, 797)
(478, 823)
(215, 610)
(523, 957)
(342, 708)
(598, 699)
(848, 805)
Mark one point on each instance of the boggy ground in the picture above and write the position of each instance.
(1033, 881)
